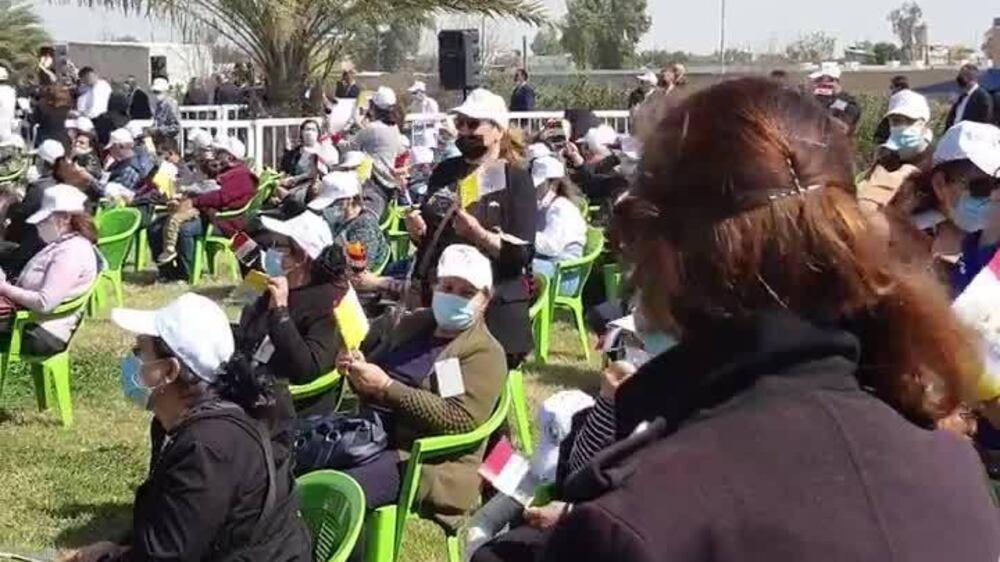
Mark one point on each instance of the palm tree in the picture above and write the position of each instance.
(293, 41)
(21, 35)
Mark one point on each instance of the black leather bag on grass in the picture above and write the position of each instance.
(337, 441)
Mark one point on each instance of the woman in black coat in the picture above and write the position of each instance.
(50, 115)
(796, 419)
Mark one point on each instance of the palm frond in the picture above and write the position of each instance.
(21, 35)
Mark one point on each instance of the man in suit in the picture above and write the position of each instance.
(975, 103)
(523, 96)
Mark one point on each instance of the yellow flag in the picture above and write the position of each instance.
(351, 320)
(468, 189)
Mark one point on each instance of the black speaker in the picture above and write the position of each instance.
(458, 58)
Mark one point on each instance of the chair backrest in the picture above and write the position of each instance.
(448, 445)
(115, 230)
(333, 507)
(542, 295)
(392, 214)
(264, 191)
(580, 267)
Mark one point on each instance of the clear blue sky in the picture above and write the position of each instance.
(677, 24)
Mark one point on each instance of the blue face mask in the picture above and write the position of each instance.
(135, 392)
(656, 342)
(452, 312)
(971, 213)
(272, 263)
(908, 139)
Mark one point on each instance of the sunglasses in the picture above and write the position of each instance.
(468, 123)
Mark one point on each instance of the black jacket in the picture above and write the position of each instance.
(305, 338)
(514, 210)
(979, 108)
(762, 446)
(522, 98)
(204, 498)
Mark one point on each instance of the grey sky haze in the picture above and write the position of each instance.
(688, 25)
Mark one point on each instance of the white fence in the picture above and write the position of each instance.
(211, 112)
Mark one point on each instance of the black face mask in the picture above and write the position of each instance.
(472, 147)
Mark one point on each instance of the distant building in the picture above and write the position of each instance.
(991, 46)
(858, 55)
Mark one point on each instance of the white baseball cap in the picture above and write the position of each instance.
(50, 151)
(4, 74)
(648, 77)
(466, 262)
(307, 230)
(484, 105)
(417, 86)
(422, 155)
(968, 140)
(120, 136)
(160, 85)
(136, 129)
(546, 168)
(194, 327)
(352, 159)
(538, 150)
(909, 104)
(230, 145)
(334, 187)
(199, 138)
(831, 69)
(384, 97)
(59, 198)
(601, 135)
(84, 124)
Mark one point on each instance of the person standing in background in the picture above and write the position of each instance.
(166, 113)
(348, 86)
(647, 81)
(94, 94)
(420, 102)
(975, 103)
(523, 96)
(829, 92)
(138, 101)
(50, 115)
(46, 60)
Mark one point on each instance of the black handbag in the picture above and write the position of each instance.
(337, 441)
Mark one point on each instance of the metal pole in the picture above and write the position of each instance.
(722, 38)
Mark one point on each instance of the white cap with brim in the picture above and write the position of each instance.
(968, 140)
(59, 198)
(417, 86)
(352, 159)
(160, 85)
(307, 230)
(909, 104)
(466, 262)
(484, 105)
(120, 137)
(831, 69)
(195, 329)
(4, 74)
(136, 129)
(334, 187)
(50, 151)
(601, 135)
(547, 168)
(648, 77)
(199, 139)
(384, 98)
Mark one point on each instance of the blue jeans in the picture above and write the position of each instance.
(180, 269)
(547, 267)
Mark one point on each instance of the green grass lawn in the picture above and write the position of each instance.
(61, 488)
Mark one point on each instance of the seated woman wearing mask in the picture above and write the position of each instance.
(308, 161)
(290, 328)
(562, 230)
(340, 203)
(425, 350)
(794, 420)
(63, 270)
(218, 487)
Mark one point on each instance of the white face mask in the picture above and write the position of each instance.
(310, 137)
(160, 96)
(49, 230)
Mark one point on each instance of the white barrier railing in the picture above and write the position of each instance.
(530, 121)
(211, 112)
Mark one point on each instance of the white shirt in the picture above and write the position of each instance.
(94, 102)
(8, 105)
(960, 112)
(562, 233)
(429, 106)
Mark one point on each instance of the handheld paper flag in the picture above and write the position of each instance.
(509, 472)
(351, 320)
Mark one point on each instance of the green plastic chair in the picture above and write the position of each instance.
(49, 372)
(540, 315)
(579, 268)
(323, 384)
(612, 275)
(519, 410)
(398, 237)
(333, 507)
(386, 525)
(116, 230)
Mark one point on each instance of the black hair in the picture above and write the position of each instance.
(900, 82)
(330, 266)
(523, 72)
(167, 144)
(47, 51)
(240, 382)
(779, 74)
(306, 122)
(86, 70)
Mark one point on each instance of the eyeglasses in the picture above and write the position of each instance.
(468, 123)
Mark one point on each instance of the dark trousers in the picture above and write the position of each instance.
(380, 479)
(190, 230)
(520, 544)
